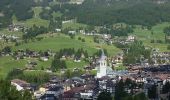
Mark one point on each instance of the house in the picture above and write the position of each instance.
(77, 60)
(48, 97)
(72, 32)
(56, 90)
(58, 30)
(83, 92)
(110, 86)
(44, 58)
(52, 92)
(78, 2)
(20, 84)
(130, 38)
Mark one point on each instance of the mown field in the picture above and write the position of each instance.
(60, 41)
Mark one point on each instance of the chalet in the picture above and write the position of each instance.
(110, 86)
(44, 58)
(20, 84)
(78, 2)
(68, 21)
(56, 90)
(106, 36)
(130, 38)
(82, 32)
(58, 30)
(72, 32)
(82, 92)
(77, 60)
(14, 27)
(48, 97)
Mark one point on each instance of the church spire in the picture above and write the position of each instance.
(103, 57)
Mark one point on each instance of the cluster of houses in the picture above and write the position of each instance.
(21, 54)
(125, 40)
(8, 37)
(160, 57)
(15, 27)
(89, 86)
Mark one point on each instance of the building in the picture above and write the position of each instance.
(20, 84)
(102, 66)
(104, 70)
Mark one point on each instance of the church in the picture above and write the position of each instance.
(104, 70)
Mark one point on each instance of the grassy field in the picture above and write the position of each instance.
(74, 25)
(7, 64)
(146, 36)
(71, 64)
(62, 41)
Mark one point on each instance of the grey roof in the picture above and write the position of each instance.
(103, 57)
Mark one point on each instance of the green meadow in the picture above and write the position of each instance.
(61, 41)
(156, 33)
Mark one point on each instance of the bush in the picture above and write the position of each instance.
(83, 40)
(159, 41)
(79, 38)
(168, 47)
(152, 41)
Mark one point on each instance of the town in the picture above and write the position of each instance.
(84, 50)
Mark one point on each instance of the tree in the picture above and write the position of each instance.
(134, 53)
(168, 47)
(166, 88)
(83, 40)
(26, 95)
(104, 96)
(6, 50)
(120, 91)
(68, 74)
(58, 64)
(140, 96)
(8, 92)
(152, 92)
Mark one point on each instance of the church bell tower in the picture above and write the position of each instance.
(102, 66)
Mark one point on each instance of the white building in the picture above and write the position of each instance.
(102, 68)
(20, 84)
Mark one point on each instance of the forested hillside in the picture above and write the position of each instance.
(20, 8)
(93, 12)
(101, 12)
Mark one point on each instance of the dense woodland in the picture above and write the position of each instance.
(20, 8)
(102, 12)
(92, 12)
